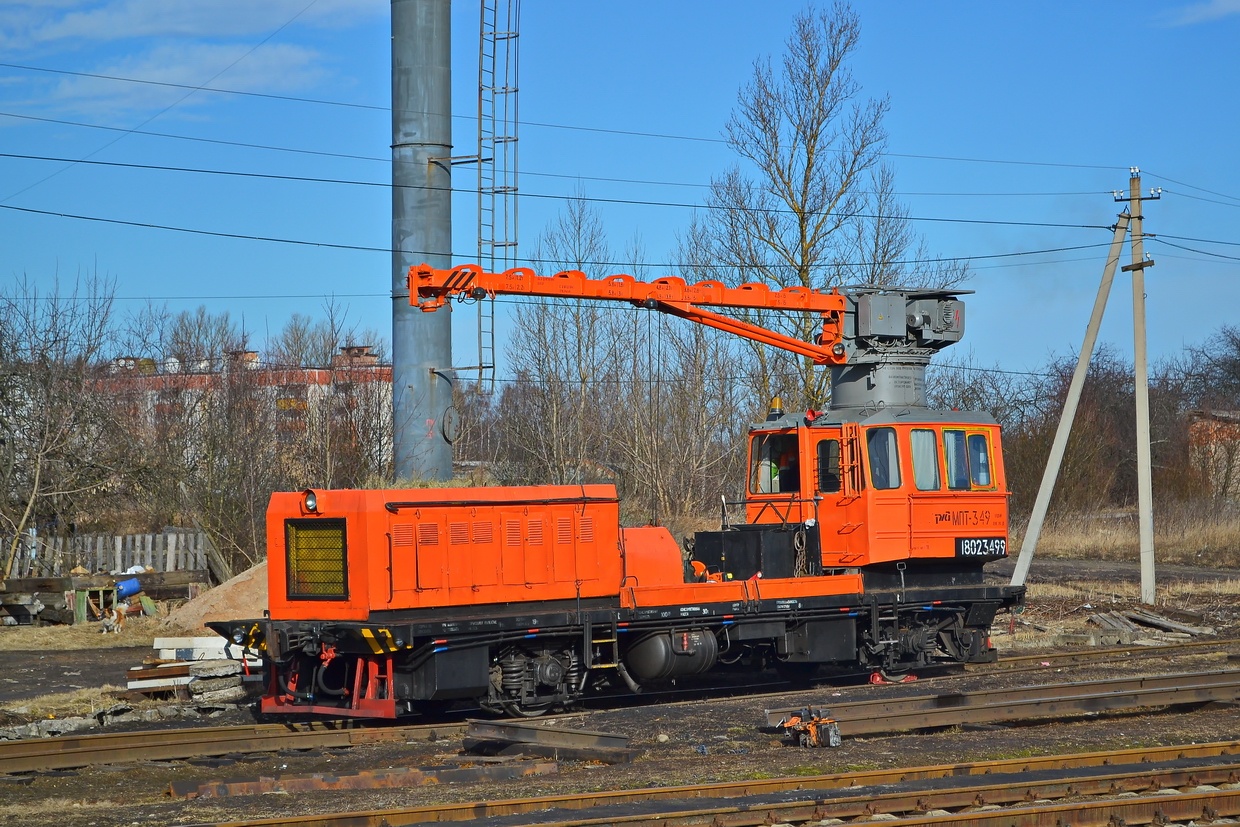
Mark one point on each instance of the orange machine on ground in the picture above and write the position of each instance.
(867, 528)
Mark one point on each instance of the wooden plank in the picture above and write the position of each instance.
(1150, 619)
(36, 584)
(170, 670)
(149, 580)
(158, 683)
(17, 599)
(197, 642)
(1115, 622)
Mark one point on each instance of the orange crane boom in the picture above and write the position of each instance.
(431, 288)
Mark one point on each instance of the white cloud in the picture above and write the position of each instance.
(173, 41)
(47, 23)
(1204, 12)
(275, 68)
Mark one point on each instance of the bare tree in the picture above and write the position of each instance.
(685, 410)
(1212, 370)
(563, 351)
(215, 455)
(811, 204)
(310, 343)
(53, 423)
(330, 400)
(807, 140)
(879, 246)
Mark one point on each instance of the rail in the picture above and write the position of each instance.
(910, 794)
(856, 718)
(994, 705)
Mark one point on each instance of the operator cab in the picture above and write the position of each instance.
(874, 487)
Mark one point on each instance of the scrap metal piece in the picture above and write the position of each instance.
(812, 727)
(510, 738)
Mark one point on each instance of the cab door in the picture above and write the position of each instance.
(889, 505)
(837, 485)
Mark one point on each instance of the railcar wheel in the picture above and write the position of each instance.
(899, 674)
(516, 710)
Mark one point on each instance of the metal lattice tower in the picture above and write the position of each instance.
(497, 157)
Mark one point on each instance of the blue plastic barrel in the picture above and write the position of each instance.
(127, 588)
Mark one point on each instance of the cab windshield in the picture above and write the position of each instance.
(774, 464)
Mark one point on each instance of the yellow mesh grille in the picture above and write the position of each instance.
(316, 560)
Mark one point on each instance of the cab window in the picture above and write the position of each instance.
(979, 460)
(967, 457)
(957, 460)
(925, 459)
(774, 464)
(884, 457)
(829, 466)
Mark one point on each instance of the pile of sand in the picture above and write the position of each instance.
(242, 598)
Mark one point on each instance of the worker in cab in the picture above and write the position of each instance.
(789, 468)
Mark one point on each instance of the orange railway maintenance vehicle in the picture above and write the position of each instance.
(867, 527)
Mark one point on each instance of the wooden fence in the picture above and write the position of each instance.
(58, 556)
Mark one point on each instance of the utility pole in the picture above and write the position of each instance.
(1145, 486)
(1129, 219)
(422, 414)
(1060, 444)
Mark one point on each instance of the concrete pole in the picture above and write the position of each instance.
(1145, 486)
(1060, 444)
(421, 232)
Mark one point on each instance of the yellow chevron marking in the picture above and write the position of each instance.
(389, 643)
(374, 645)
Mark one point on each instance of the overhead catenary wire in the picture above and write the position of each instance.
(535, 124)
(1193, 249)
(386, 159)
(551, 196)
(192, 90)
(375, 249)
(591, 199)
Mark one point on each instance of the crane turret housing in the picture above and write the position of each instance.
(889, 336)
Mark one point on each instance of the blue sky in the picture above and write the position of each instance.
(1000, 112)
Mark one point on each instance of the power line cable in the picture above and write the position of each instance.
(170, 106)
(557, 175)
(345, 104)
(1199, 198)
(556, 197)
(538, 124)
(1193, 250)
(1190, 238)
(1193, 186)
(365, 248)
(198, 139)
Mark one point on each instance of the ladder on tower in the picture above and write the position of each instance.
(497, 158)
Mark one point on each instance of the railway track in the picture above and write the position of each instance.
(1039, 661)
(883, 715)
(1139, 786)
(72, 751)
(855, 718)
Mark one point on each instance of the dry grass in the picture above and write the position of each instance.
(1193, 534)
(1055, 608)
(21, 813)
(139, 631)
(1101, 592)
(1084, 592)
(75, 704)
